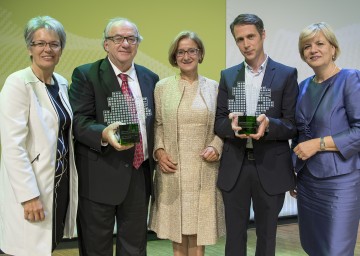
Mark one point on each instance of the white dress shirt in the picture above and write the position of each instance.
(140, 109)
(253, 81)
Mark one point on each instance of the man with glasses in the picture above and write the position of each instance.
(114, 179)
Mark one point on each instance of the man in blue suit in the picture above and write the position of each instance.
(112, 185)
(255, 167)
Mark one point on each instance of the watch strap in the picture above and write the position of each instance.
(322, 144)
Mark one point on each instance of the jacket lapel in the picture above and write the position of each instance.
(205, 93)
(146, 87)
(269, 74)
(308, 113)
(144, 81)
(40, 92)
(108, 79)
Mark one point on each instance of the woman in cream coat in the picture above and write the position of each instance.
(188, 208)
(38, 178)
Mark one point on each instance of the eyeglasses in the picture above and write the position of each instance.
(190, 51)
(42, 44)
(120, 39)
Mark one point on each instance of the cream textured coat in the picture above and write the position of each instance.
(29, 130)
(165, 214)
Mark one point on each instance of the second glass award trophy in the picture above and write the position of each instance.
(237, 105)
(128, 134)
(248, 124)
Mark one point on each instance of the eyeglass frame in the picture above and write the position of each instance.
(187, 51)
(55, 46)
(122, 39)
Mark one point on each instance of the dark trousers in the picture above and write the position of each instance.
(96, 221)
(60, 204)
(237, 212)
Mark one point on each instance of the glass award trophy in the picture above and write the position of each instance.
(237, 105)
(128, 133)
(248, 124)
(127, 114)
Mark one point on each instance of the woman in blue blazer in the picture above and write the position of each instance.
(328, 146)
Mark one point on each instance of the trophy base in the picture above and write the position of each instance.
(128, 134)
(248, 124)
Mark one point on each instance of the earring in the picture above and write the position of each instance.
(333, 57)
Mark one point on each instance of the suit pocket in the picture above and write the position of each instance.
(226, 147)
(35, 159)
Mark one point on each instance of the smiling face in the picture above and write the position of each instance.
(122, 54)
(318, 52)
(250, 43)
(188, 63)
(45, 58)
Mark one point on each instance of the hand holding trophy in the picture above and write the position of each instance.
(122, 120)
(251, 125)
(110, 135)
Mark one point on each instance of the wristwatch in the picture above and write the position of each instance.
(322, 144)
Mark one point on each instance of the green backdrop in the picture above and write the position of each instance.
(159, 21)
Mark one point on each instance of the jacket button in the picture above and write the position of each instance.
(127, 165)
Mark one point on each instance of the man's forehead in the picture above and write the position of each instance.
(245, 30)
(123, 25)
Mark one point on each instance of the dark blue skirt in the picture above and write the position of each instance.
(329, 213)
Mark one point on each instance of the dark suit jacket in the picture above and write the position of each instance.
(272, 152)
(104, 173)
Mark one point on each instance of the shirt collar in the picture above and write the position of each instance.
(262, 66)
(130, 72)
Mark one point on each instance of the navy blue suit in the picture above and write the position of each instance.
(272, 156)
